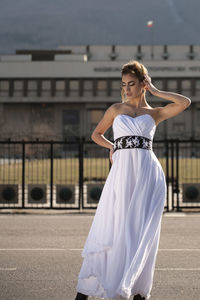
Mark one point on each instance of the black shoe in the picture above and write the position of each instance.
(80, 296)
(138, 297)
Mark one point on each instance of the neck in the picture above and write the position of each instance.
(137, 102)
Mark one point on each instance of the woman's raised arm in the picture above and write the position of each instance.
(180, 102)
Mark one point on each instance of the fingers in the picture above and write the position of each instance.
(147, 82)
(147, 77)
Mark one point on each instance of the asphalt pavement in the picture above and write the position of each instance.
(40, 256)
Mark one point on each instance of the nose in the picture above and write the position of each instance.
(127, 88)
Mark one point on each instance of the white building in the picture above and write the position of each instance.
(62, 93)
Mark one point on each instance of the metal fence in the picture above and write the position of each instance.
(71, 174)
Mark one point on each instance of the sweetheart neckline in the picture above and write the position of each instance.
(135, 117)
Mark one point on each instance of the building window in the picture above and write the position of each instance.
(4, 87)
(186, 87)
(101, 87)
(18, 88)
(18, 85)
(197, 92)
(88, 87)
(74, 87)
(95, 116)
(46, 88)
(60, 85)
(172, 85)
(71, 124)
(60, 88)
(116, 91)
(92, 119)
(32, 88)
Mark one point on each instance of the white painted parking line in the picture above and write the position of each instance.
(174, 214)
(76, 249)
(80, 249)
(40, 249)
(187, 249)
(181, 215)
(34, 249)
(8, 269)
(183, 250)
(177, 269)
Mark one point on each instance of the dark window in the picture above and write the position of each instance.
(71, 124)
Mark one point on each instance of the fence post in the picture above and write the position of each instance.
(81, 147)
(51, 174)
(23, 171)
(172, 173)
(177, 190)
(167, 171)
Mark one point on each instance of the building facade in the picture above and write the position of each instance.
(63, 93)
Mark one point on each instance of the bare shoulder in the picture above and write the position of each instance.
(113, 109)
(107, 119)
(119, 108)
(111, 112)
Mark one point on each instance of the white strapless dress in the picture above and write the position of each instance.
(121, 248)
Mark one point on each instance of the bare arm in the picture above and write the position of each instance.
(180, 102)
(107, 120)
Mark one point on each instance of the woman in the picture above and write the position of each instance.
(121, 247)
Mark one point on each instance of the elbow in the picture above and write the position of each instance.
(93, 136)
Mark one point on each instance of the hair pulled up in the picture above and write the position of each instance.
(133, 67)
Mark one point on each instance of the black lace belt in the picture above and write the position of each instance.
(132, 141)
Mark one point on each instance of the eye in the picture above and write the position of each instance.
(130, 84)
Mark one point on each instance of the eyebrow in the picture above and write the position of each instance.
(129, 81)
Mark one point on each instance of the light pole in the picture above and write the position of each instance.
(150, 26)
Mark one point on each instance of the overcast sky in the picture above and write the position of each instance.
(47, 24)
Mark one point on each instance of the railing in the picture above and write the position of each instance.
(71, 174)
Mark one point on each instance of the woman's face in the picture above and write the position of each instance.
(131, 86)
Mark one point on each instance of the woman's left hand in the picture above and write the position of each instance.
(149, 86)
